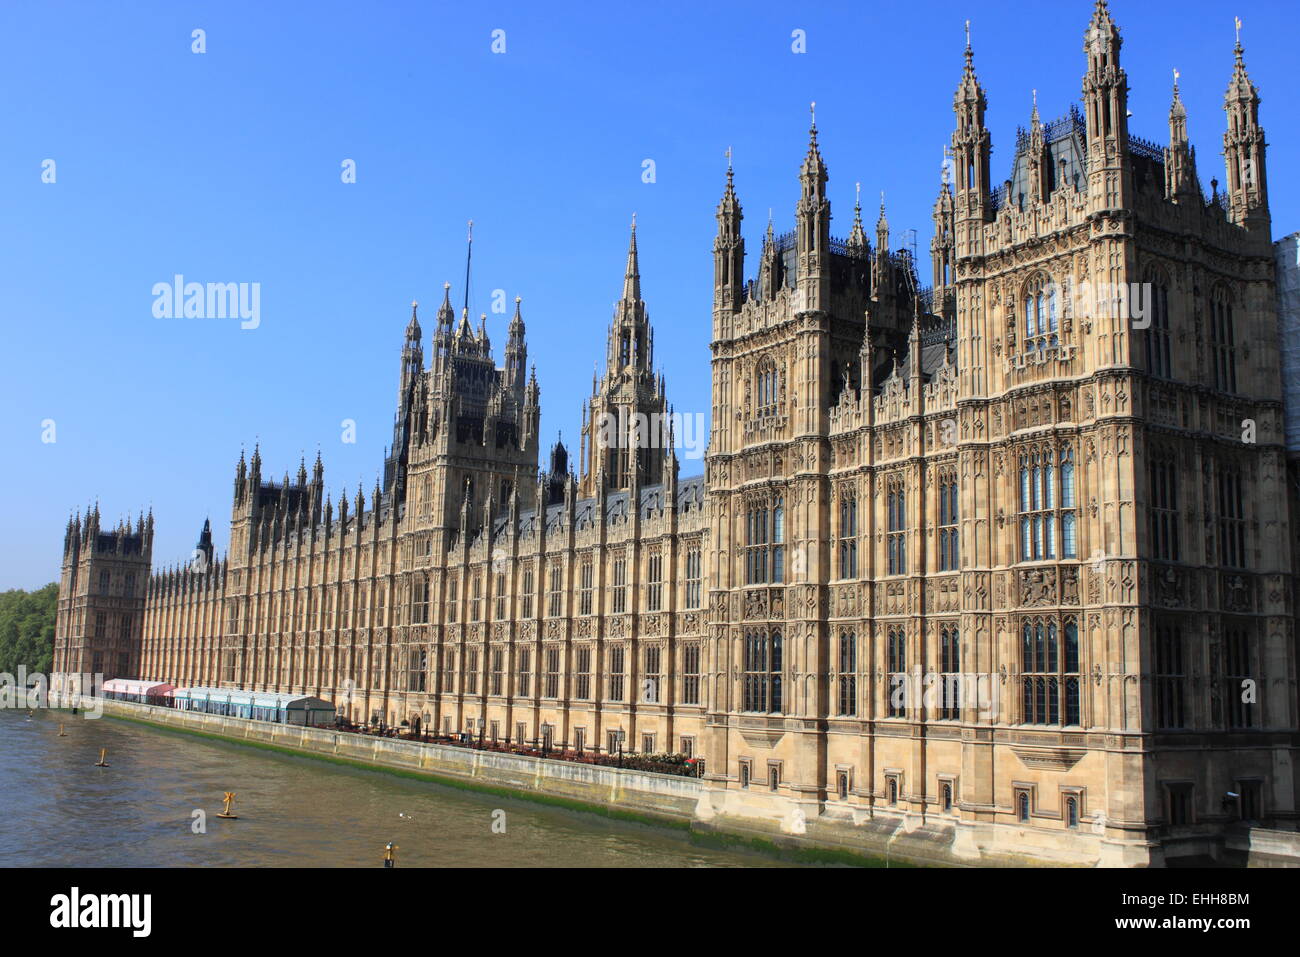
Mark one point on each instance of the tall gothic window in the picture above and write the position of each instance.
(418, 667)
(762, 672)
(848, 674)
(692, 596)
(524, 672)
(654, 582)
(1239, 685)
(555, 602)
(618, 603)
(896, 673)
(1040, 311)
(583, 691)
(948, 539)
(1049, 672)
(453, 595)
(691, 674)
(765, 542)
(1157, 333)
(896, 537)
(1223, 345)
(1047, 505)
(584, 594)
(497, 663)
(950, 672)
(848, 563)
(1171, 676)
(653, 674)
(1164, 509)
(1232, 519)
(526, 594)
(471, 671)
(617, 659)
(552, 672)
(766, 387)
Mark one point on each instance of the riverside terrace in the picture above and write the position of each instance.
(315, 713)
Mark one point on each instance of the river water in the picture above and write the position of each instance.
(58, 810)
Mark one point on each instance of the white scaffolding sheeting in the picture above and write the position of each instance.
(1287, 251)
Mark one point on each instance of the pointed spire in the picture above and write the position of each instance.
(413, 327)
(632, 275)
(813, 167)
(857, 235)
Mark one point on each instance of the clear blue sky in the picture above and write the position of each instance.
(225, 167)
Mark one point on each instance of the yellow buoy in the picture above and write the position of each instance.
(62, 733)
(229, 799)
(389, 850)
(103, 753)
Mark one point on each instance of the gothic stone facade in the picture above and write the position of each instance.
(1068, 503)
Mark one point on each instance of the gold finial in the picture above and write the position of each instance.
(1238, 22)
(728, 159)
(518, 299)
(415, 303)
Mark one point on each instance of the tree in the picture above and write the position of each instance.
(27, 629)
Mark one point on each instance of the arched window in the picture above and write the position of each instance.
(766, 387)
(848, 673)
(1047, 504)
(1049, 666)
(949, 673)
(896, 677)
(1041, 311)
(1223, 347)
(1022, 806)
(896, 538)
(762, 690)
(948, 538)
(1155, 301)
(848, 555)
(765, 541)
(947, 797)
(1071, 812)
(893, 790)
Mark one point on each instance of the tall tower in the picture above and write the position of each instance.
(102, 587)
(625, 427)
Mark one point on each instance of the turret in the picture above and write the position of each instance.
(1243, 151)
(1181, 182)
(813, 226)
(1105, 98)
(728, 251)
(971, 149)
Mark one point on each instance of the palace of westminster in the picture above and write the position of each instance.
(989, 559)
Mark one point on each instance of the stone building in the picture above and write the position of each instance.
(1003, 562)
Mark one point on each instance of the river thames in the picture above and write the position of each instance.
(58, 810)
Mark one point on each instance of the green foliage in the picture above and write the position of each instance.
(27, 629)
